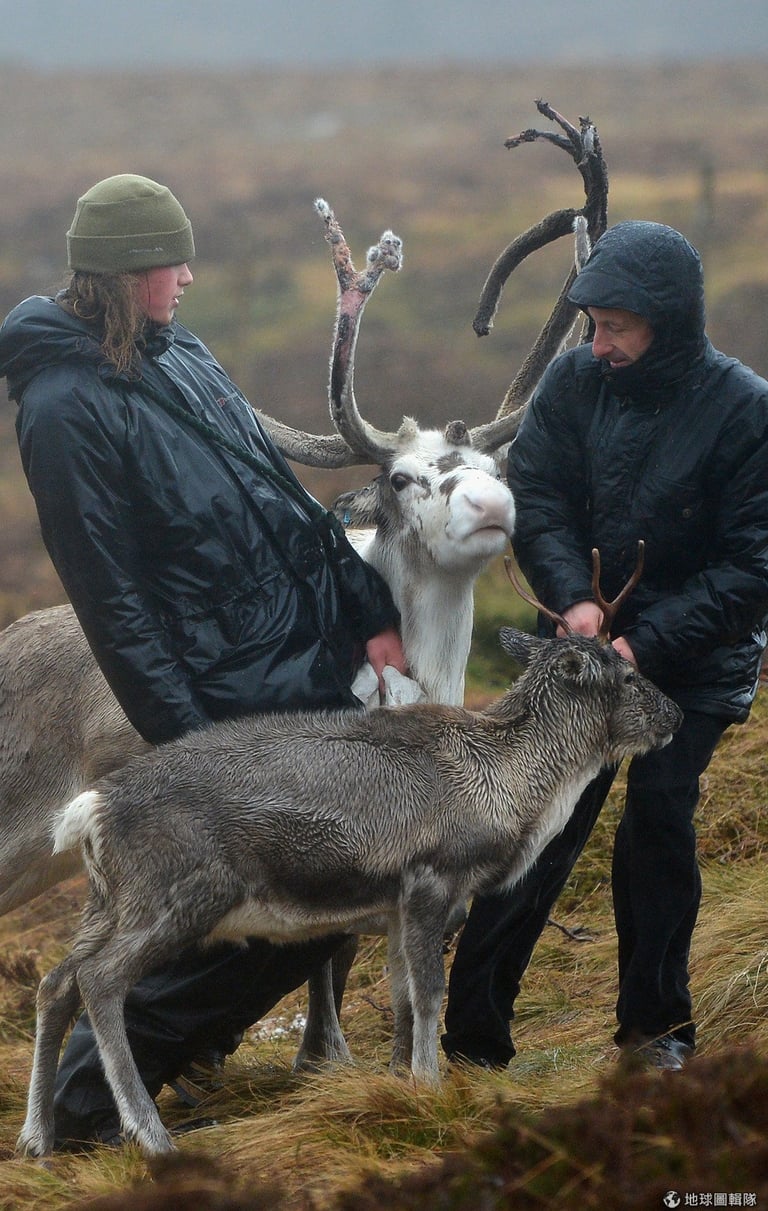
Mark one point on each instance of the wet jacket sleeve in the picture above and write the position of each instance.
(367, 600)
(70, 449)
(547, 476)
(368, 605)
(728, 599)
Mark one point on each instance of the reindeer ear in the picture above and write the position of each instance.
(520, 645)
(360, 507)
(582, 668)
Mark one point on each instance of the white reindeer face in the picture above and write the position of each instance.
(447, 500)
(440, 511)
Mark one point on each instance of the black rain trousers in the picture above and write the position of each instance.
(656, 894)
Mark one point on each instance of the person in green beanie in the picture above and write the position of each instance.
(128, 224)
(207, 581)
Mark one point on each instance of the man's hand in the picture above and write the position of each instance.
(584, 618)
(621, 646)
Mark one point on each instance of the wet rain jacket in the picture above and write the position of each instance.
(205, 585)
(672, 450)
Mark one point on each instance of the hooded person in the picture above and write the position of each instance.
(646, 433)
(207, 581)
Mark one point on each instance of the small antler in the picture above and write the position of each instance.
(611, 608)
(521, 591)
(588, 223)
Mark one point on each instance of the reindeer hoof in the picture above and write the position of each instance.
(34, 1145)
(305, 1062)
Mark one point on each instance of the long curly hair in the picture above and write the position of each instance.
(110, 301)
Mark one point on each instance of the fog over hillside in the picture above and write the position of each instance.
(95, 33)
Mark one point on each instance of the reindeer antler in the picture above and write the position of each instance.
(356, 441)
(609, 608)
(355, 288)
(517, 585)
(588, 222)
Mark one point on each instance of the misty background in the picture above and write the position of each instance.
(397, 114)
(153, 33)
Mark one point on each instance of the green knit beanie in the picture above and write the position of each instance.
(128, 222)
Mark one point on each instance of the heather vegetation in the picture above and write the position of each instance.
(422, 152)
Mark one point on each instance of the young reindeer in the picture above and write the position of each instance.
(319, 822)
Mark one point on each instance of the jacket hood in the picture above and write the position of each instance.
(653, 271)
(39, 333)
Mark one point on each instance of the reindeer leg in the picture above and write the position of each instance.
(57, 1000)
(105, 977)
(323, 1041)
(402, 1038)
(104, 982)
(424, 909)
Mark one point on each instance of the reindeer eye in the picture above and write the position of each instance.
(399, 481)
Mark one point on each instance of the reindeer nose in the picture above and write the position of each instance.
(490, 504)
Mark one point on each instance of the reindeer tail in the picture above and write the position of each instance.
(73, 824)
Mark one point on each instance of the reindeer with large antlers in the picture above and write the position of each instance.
(436, 513)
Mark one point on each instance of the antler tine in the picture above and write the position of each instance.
(356, 442)
(546, 231)
(584, 148)
(611, 608)
(521, 591)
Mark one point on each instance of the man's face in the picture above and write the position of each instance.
(621, 337)
(159, 291)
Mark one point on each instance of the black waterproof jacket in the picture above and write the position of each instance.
(205, 587)
(672, 450)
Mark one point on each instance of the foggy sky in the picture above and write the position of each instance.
(51, 34)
